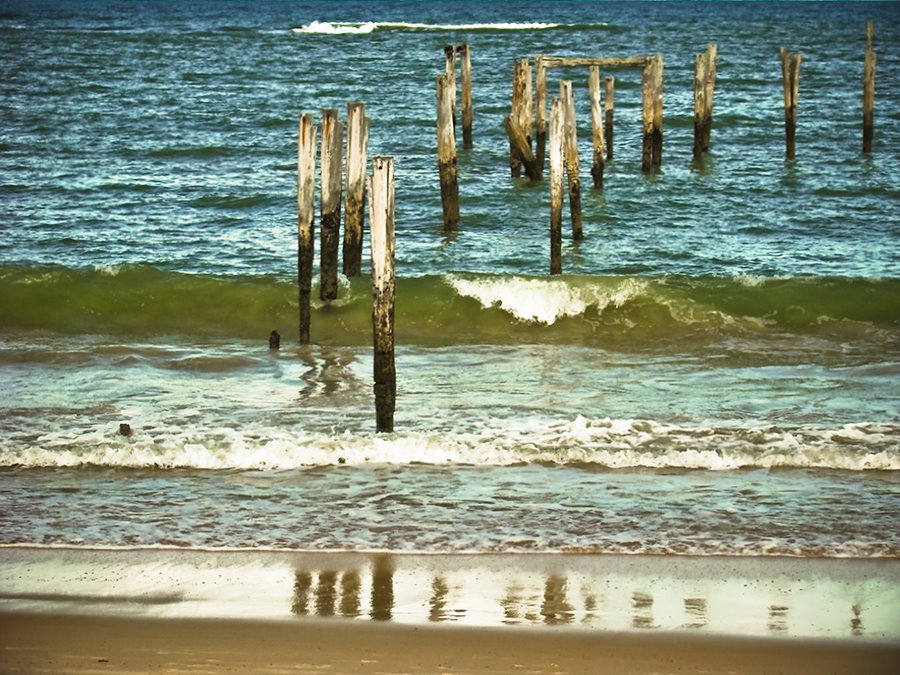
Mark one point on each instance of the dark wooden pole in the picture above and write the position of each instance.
(609, 100)
(465, 68)
(790, 76)
(557, 137)
(869, 90)
(306, 194)
(355, 196)
(446, 148)
(381, 219)
(330, 203)
(597, 165)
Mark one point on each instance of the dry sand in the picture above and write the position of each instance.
(35, 643)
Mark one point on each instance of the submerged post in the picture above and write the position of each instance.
(355, 196)
(570, 145)
(465, 71)
(608, 104)
(869, 90)
(330, 203)
(790, 77)
(306, 194)
(596, 127)
(557, 133)
(704, 90)
(446, 147)
(381, 218)
(521, 112)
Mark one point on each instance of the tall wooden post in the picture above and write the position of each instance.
(465, 68)
(790, 76)
(306, 194)
(450, 72)
(704, 90)
(570, 146)
(381, 219)
(608, 105)
(330, 203)
(355, 196)
(596, 127)
(557, 134)
(541, 116)
(652, 113)
(446, 147)
(521, 111)
(869, 90)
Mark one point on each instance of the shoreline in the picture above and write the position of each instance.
(761, 597)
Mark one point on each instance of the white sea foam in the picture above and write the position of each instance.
(613, 443)
(343, 28)
(545, 300)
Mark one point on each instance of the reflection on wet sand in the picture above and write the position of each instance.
(382, 591)
(695, 609)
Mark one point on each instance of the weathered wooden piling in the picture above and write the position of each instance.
(520, 148)
(450, 72)
(306, 194)
(557, 136)
(381, 220)
(652, 113)
(540, 94)
(597, 165)
(330, 203)
(704, 91)
(465, 73)
(570, 149)
(355, 195)
(790, 76)
(869, 90)
(446, 148)
(521, 112)
(609, 100)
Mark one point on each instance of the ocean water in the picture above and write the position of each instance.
(715, 373)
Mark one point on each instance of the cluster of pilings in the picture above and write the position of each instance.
(380, 189)
(529, 112)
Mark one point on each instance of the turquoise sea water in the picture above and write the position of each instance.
(716, 372)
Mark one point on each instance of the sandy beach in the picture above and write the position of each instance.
(36, 643)
(157, 610)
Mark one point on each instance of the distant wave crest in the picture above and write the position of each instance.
(364, 27)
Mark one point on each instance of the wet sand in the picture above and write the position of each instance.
(158, 610)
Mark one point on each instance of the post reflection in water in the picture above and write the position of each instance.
(556, 608)
(642, 604)
(387, 588)
(778, 618)
(382, 589)
(695, 609)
